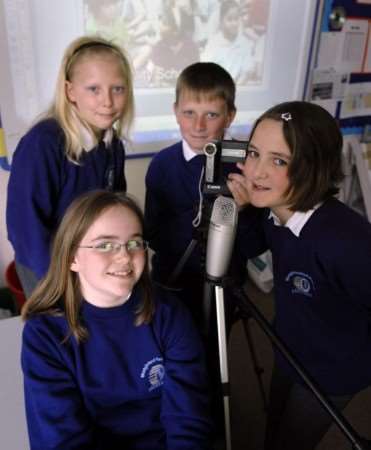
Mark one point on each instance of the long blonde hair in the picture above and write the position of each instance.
(66, 113)
(59, 292)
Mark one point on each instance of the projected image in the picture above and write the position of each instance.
(164, 36)
(249, 38)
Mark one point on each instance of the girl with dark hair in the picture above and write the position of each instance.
(321, 253)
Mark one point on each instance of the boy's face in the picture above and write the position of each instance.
(202, 120)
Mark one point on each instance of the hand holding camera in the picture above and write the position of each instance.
(220, 178)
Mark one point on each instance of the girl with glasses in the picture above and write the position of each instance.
(108, 360)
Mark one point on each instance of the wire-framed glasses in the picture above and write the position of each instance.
(109, 247)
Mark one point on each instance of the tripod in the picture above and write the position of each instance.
(357, 442)
(223, 358)
(208, 305)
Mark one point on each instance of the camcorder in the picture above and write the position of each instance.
(221, 159)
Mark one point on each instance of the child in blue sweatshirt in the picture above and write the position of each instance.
(75, 147)
(321, 261)
(204, 109)
(109, 362)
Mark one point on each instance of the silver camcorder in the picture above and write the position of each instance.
(221, 159)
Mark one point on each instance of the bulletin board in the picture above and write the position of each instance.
(341, 82)
(341, 79)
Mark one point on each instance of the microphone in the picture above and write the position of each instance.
(221, 236)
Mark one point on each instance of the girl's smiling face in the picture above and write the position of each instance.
(107, 278)
(98, 90)
(266, 169)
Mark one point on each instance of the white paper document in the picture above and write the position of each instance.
(357, 101)
(328, 84)
(345, 50)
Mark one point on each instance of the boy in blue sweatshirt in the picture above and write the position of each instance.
(204, 108)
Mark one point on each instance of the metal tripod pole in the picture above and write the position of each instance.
(358, 443)
(257, 369)
(179, 267)
(223, 360)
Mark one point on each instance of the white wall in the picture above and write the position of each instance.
(13, 428)
(135, 173)
(6, 251)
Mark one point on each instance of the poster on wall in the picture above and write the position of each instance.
(344, 50)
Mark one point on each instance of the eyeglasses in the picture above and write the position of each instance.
(131, 246)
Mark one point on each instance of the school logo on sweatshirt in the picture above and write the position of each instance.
(301, 283)
(154, 372)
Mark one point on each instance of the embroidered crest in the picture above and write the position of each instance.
(301, 283)
(154, 372)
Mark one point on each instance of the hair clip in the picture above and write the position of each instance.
(286, 116)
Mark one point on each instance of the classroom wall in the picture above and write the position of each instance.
(6, 251)
(136, 170)
(13, 429)
(135, 173)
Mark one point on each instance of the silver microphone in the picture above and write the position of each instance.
(221, 236)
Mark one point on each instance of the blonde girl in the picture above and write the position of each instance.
(75, 147)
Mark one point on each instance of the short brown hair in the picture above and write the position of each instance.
(207, 79)
(315, 141)
(59, 292)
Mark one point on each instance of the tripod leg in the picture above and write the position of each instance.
(257, 368)
(222, 342)
(208, 308)
(179, 267)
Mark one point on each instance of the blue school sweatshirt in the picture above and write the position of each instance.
(126, 387)
(172, 201)
(43, 183)
(322, 295)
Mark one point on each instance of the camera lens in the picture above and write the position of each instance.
(210, 149)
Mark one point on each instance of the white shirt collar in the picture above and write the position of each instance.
(188, 152)
(87, 139)
(296, 222)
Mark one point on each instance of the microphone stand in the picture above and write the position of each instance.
(357, 442)
(181, 263)
(223, 358)
(211, 284)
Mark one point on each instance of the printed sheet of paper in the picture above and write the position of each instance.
(357, 101)
(367, 59)
(344, 51)
(328, 84)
